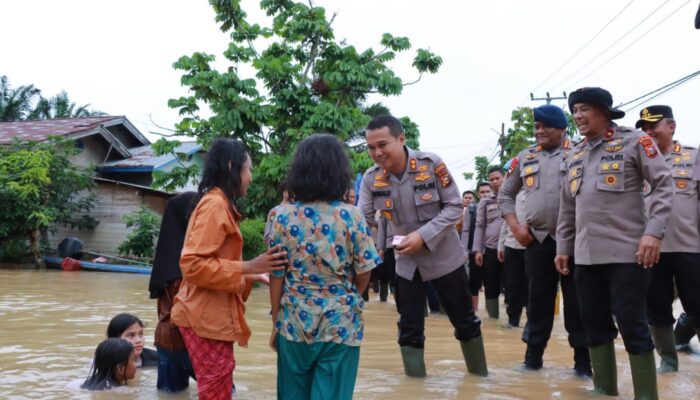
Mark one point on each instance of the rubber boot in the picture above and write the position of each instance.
(492, 308)
(644, 376)
(604, 369)
(383, 291)
(582, 362)
(474, 356)
(413, 364)
(684, 332)
(533, 357)
(665, 344)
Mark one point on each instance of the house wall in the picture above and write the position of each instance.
(115, 201)
(94, 150)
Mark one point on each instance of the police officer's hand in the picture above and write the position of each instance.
(501, 255)
(521, 233)
(649, 251)
(561, 262)
(479, 258)
(410, 244)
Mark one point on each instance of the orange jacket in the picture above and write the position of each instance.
(213, 289)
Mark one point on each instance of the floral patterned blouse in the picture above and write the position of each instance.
(327, 244)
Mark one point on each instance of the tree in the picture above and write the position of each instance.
(60, 106)
(39, 189)
(141, 241)
(306, 81)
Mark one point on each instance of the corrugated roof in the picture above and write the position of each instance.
(41, 129)
(143, 159)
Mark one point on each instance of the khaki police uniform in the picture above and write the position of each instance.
(601, 221)
(386, 272)
(680, 249)
(538, 174)
(486, 234)
(425, 200)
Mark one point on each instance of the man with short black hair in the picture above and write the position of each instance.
(680, 249)
(485, 246)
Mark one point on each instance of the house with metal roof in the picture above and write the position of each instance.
(124, 162)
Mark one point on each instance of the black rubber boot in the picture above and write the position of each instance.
(474, 356)
(533, 357)
(582, 362)
(684, 332)
(644, 376)
(665, 344)
(413, 364)
(604, 369)
(492, 308)
(383, 291)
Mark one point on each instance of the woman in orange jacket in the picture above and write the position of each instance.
(209, 309)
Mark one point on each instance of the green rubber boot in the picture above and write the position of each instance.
(474, 355)
(604, 369)
(644, 376)
(665, 343)
(413, 364)
(492, 308)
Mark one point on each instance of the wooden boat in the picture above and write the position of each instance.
(55, 262)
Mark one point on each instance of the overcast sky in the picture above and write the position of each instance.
(117, 56)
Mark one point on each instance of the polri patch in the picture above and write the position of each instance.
(647, 144)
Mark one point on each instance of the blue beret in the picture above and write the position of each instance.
(551, 115)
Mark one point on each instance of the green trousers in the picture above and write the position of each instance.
(316, 371)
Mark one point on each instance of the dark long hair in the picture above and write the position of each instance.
(320, 170)
(222, 153)
(108, 355)
(120, 323)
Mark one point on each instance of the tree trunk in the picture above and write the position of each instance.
(34, 249)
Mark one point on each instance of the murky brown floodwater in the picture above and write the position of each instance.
(51, 321)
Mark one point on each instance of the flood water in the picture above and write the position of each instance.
(51, 321)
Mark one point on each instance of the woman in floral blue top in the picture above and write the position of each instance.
(316, 301)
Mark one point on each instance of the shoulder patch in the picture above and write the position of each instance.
(513, 166)
(443, 175)
(647, 144)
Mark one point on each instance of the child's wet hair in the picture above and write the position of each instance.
(109, 354)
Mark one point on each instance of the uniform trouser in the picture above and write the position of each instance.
(684, 269)
(316, 371)
(476, 276)
(619, 289)
(515, 282)
(543, 281)
(493, 270)
(454, 295)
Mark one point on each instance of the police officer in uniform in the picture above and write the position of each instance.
(539, 172)
(485, 246)
(602, 224)
(680, 249)
(415, 192)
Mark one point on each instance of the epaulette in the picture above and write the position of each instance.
(625, 129)
(423, 155)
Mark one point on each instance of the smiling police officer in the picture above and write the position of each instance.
(416, 194)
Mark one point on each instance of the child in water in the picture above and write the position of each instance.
(114, 365)
(130, 328)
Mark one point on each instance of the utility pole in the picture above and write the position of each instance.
(502, 140)
(549, 98)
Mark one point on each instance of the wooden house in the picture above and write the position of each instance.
(124, 162)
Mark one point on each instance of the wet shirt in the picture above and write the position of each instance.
(539, 174)
(601, 216)
(328, 244)
(425, 200)
(683, 230)
(488, 224)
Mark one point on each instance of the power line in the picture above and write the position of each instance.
(577, 52)
(658, 92)
(606, 62)
(593, 59)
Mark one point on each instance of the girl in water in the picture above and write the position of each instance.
(129, 327)
(114, 365)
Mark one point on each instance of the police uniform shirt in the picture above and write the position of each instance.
(424, 199)
(539, 175)
(467, 225)
(601, 216)
(488, 224)
(385, 236)
(683, 229)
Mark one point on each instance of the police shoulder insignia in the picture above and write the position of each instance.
(514, 165)
(647, 144)
(443, 175)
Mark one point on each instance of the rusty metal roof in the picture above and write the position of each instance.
(41, 129)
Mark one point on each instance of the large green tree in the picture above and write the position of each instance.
(39, 189)
(305, 81)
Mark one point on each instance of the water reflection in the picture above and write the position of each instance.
(52, 321)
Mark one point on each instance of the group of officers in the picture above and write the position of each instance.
(613, 219)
